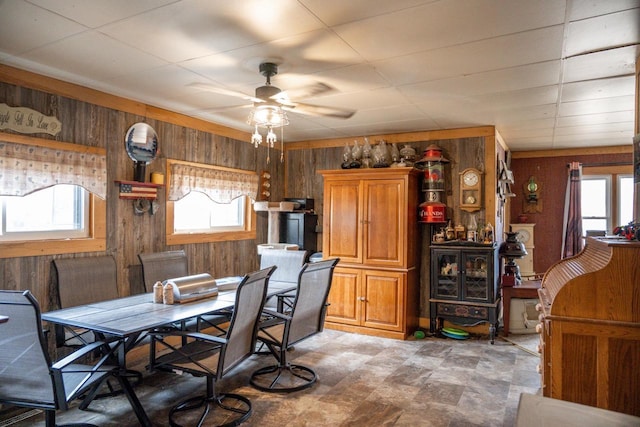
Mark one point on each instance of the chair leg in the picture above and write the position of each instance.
(242, 407)
(283, 379)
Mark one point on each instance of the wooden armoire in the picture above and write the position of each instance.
(370, 222)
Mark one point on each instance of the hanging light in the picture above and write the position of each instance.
(268, 116)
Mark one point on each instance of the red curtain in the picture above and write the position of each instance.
(572, 242)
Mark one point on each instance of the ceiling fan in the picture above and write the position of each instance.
(272, 95)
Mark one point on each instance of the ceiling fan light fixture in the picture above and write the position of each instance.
(256, 138)
(268, 116)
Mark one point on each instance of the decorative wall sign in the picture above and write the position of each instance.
(26, 120)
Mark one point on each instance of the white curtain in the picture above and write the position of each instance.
(221, 185)
(27, 168)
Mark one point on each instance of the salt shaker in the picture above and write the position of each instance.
(167, 294)
(157, 293)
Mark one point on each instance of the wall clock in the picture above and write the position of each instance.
(471, 190)
(523, 236)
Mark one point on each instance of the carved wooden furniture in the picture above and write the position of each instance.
(464, 285)
(590, 326)
(370, 222)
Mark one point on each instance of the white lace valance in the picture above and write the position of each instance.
(221, 185)
(26, 168)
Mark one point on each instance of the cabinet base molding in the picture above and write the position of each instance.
(367, 331)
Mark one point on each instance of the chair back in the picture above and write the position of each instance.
(309, 306)
(243, 325)
(288, 262)
(24, 362)
(160, 266)
(86, 280)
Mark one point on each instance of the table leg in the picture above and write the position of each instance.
(506, 308)
(135, 402)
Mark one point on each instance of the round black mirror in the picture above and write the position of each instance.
(141, 143)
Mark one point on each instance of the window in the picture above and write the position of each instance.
(56, 212)
(196, 212)
(39, 218)
(208, 203)
(606, 201)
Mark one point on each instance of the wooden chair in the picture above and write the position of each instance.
(214, 356)
(282, 331)
(28, 378)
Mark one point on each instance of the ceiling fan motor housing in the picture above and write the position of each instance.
(266, 92)
(268, 69)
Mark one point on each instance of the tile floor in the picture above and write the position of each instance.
(363, 381)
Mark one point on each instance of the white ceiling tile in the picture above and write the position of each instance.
(590, 119)
(335, 12)
(596, 89)
(24, 27)
(603, 32)
(581, 9)
(615, 62)
(94, 56)
(203, 27)
(94, 13)
(593, 106)
(531, 76)
(446, 23)
(476, 57)
(620, 128)
(404, 65)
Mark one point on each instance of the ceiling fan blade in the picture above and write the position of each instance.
(318, 110)
(230, 108)
(309, 91)
(228, 92)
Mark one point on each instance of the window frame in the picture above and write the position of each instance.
(97, 218)
(173, 238)
(613, 173)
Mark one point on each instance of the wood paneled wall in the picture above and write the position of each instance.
(303, 181)
(97, 119)
(129, 234)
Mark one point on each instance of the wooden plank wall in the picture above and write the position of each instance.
(128, 234)
(97, 119)
(303, 181)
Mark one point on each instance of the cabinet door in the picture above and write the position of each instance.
(342, 221)
(383, 300)
(384, 222)
(478, 276)
(345, 298)
(445, 270)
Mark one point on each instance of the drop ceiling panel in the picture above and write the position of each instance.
(597, 89)
(615, 62)
(605, 105)
(24, 27)
(404, 65)
(603, 32)
(94, 14)
(446, 23)
(109, 58)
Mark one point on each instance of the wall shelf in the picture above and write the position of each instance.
(138, 190)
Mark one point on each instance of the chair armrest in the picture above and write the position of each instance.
(275, 314)
(83, 351)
